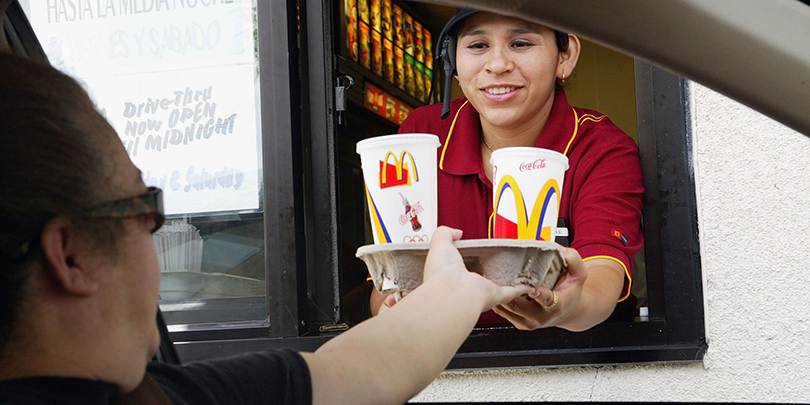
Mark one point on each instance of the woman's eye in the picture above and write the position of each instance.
(521, 44)
(477, 45)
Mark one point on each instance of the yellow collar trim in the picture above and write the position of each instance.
(578, 120)
(449, 134)
(574, 135)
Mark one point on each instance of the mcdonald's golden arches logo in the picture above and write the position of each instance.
(399, 173)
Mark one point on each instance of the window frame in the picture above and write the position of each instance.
(14, 24)
(301, 244)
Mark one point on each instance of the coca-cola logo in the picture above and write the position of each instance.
(537, 164)
(415, 210)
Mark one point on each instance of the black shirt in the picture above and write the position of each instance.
(270, 377)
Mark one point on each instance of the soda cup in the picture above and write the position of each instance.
(527, 185)
(400, 176)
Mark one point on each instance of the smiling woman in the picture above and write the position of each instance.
(512, 74)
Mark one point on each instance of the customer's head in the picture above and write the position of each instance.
(61, 164)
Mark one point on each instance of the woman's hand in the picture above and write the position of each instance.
(444, 264)
(388, 302)
(584, 296)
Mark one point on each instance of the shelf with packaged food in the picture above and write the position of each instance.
(389, 44)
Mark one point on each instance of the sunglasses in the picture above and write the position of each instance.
(149, 204)
(14, 248)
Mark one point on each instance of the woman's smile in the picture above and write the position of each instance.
(500, 93)
(500, 90)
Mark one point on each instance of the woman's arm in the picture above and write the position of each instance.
(393, 356)
(586, 295)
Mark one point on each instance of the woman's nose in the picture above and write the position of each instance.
(500, 61)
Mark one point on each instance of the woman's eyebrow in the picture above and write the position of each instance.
(523, 30)
(512, 31)
(474, 32)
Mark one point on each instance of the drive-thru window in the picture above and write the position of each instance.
(247, 116)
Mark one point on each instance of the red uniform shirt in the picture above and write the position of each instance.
(601, 194)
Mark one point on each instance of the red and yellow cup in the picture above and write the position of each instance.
(527, 185)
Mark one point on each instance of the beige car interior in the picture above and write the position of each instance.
(731, 48)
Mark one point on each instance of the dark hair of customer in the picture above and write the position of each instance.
(51, 166)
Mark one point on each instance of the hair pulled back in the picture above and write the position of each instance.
(52, 164)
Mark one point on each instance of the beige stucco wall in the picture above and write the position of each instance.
(753, 194)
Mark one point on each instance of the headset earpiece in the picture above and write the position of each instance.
(446, 48)
(448, 75)
(445, 51)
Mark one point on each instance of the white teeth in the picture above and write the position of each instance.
(499, 90)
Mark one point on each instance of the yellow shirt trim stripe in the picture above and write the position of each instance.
(449, 134)
(577, 121)
(626, 273)
(591, 117)
(574, 135)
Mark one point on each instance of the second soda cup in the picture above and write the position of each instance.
(527, 185)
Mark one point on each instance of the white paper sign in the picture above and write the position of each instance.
(177, 81)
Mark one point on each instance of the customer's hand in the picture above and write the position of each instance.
(445, 265)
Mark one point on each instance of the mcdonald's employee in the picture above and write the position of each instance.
(513, 75)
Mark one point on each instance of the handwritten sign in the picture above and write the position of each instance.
(177, 81)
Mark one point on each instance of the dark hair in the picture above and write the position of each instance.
(562, 40)
(52, 164)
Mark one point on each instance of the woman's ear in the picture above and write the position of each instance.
(66, 259)
(568, 59)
